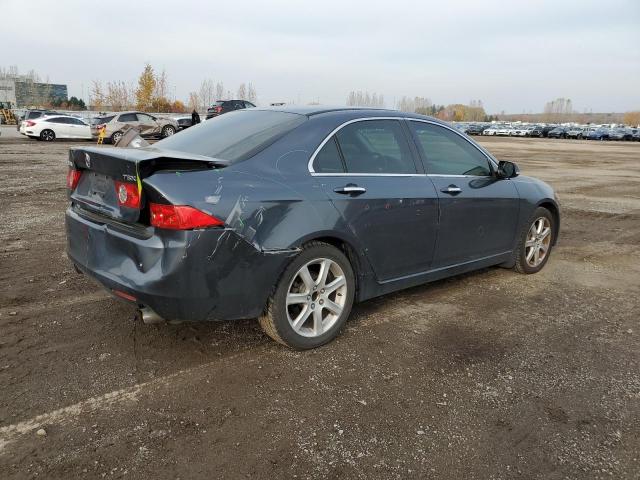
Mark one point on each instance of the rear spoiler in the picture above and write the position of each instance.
(134, 164)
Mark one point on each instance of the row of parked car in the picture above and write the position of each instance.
(47, 125)
(579, 132)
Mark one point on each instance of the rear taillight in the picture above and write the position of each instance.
(73, 177)
(181, 217)
(128, 194)
(218, 109)
(29, 123)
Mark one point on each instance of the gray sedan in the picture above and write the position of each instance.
(293, 214)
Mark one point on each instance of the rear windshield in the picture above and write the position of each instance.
(99, 120)
(234, 136)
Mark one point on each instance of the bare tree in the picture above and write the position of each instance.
(161, 85)
(97, 95)
(242, 91)
(119, 96)
(194, 101)
(415, 104)
(251, 94)
(558, 109)
(219, 91)
(364, 99)
(206, 93)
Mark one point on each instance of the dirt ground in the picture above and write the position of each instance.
(491, 375)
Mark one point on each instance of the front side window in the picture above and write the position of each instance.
(447, 153)
(375, 146)
(147, 119)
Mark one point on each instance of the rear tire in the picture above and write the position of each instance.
(47, 135)
(312, 300)
(115, 138)
(536, 242)
(167, 131)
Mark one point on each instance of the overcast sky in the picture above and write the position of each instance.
(513, 55)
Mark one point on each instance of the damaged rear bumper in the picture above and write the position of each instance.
(194, 275)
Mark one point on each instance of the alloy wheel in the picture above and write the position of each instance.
(47, 135)
(316, 297)
(538, 241)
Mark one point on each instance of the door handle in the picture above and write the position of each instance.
(350, 189)
(451, 190)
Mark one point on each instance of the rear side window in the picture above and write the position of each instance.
(447, 153)
(235, 136)
(128, 117)
(375, 146)
(328, 159)
(57, 120)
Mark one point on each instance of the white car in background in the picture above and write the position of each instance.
(521, 131)
(57, 126)
(490, 130)
(504, 131)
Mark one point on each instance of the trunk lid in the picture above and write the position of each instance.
(104, 169)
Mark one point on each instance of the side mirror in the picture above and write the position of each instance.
(507, 169)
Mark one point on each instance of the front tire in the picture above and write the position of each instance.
(47, 135)
(312, 299)
(536, 242)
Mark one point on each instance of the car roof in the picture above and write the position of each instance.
(313, 110)
(318, 109)
(44, 117)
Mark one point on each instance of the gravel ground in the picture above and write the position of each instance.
(490, 375)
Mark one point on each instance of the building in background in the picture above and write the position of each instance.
(21, 92)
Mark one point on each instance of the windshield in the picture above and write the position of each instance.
(234, 136)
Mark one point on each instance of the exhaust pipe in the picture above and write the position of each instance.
(150, 317)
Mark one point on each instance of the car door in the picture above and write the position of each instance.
(370, 173)
(478, 211)
(80, 128)
(130, 119)
(68, 128)
(61, 127)
(148, 125)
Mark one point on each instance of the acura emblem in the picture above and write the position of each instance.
(122, 194)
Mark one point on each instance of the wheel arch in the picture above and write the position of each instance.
(47, 129)
(552, 206)
(348, 246)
